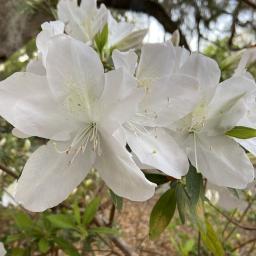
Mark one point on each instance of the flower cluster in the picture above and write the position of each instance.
(91, 95)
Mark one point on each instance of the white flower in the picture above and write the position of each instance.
(123, 36)
(78, 107)
(9, 194)
(82, 22)
(167, 98)
(2, 250)
(202, 132)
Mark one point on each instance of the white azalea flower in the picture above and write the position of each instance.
(78, 107)
(82, 22)
(167, 98)
(2, 250)
(9, 195)
(123, 36)
(202, 132)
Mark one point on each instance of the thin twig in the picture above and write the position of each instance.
(230, 219)
(242, 217)
(244, 244)
(9, 171)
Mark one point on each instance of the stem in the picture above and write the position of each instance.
(9, 172)
(111, 215)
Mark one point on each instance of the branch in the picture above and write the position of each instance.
(148, 7)
(9, 172)
(249, 3)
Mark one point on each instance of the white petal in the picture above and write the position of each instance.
(117, 30)
(168, 100)
(158, 149)
(132, 41)
(248, 144)
(205, 70)
(225, 199)
(156, 61)
(121, 174)
(120, 99)
(68, 11)
(181, 56)
(9, 194)
(228, 105)
(73, 67)
(2, 250)
(19, 134)
(221, 160)
(248, 56)
(82, 22)
(49, 30)
(49, 177)
(36, 66)
(126, 60)
(26, 102)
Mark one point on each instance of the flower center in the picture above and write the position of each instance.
(198, 118)
(86, 136)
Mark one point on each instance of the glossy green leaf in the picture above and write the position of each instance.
(181, 199)
(90, 211)
(242, 132)
(62, 221)
(158, 179)
(194, 185)
(162, 213)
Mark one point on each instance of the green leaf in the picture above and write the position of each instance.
(63, 221)
(104, 230)
(91, 210)
(162, 213)
(14, 237)
(242, 132)
(66, 246)
(158, 179)
(77, 214)
(101, 38)
(181, 199)
(211, 240)
(43, 245)
(117, 200)
(19, 252)
(194, 184)
(23, 221)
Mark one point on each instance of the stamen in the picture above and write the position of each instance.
(81, 140)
